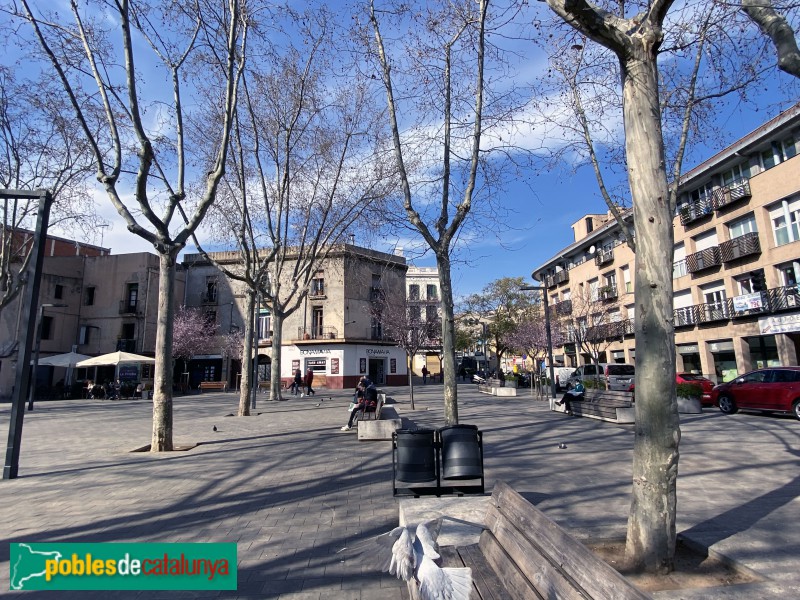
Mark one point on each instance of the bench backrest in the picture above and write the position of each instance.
(608, 397)
(535, 558)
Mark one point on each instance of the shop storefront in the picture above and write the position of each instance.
(341, 366)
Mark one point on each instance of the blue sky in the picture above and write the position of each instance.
(540, 210)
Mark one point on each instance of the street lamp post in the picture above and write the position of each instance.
(32, 390)
(534, 288)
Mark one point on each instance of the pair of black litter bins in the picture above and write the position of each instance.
(438, 461)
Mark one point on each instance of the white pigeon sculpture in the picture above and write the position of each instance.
(414, 555)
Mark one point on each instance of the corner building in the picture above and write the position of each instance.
(736, 262)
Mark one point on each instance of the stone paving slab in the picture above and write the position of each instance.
(291, 489)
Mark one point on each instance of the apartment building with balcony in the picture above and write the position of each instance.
(736, 262)
(425, 304)
(334, 332)
(94, 303)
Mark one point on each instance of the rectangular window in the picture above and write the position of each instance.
(431, 314)
(47, 328)
(211, 289)
(59, 292)
(316, 322)
(432, 293)
(733, 176)
(318, 284)
(132, 296)
(415, 314)
(413, 292)
(784, 219)
(211, 317)
(90, 296)
(83, 335)
(264, 329)
(742, 226)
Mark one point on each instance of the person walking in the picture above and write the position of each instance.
(298, 382)
(424, 374)
(308, 381)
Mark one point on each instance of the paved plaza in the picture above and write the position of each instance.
(291, 489)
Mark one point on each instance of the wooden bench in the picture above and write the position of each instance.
(606, 405)
(523, 555)
(221, 386)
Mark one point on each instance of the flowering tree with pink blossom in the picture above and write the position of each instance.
(193, 333)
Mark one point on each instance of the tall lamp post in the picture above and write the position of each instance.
(534, 288)
(483, 339)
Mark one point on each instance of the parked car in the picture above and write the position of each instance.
(772, 390)
(619, 376)
(702, 382)
(562, 375)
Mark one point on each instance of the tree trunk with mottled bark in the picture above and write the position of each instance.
(248, 356)
(163, 379)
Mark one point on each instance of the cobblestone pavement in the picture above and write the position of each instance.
(291, 489)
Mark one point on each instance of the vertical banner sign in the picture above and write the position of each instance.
(392, 365)
(334, 366)
(362, 365)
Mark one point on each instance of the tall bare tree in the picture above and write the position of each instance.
(39, 149)
(452, 63)
(306, 169)
(100, 58)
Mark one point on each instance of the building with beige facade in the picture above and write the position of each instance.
(94, 303)
(425, 303)
(334, 332)
(736, 263)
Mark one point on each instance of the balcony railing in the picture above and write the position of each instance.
(731, 193)
(563, 308)
(126, 307)
(604, 257)
(317, 333)
(740, 247)
(607, 292)
(126, 345)
(684, 317)
(704, 259)
(714, 311)
(746, 305)
(697, 209)
(556, 278)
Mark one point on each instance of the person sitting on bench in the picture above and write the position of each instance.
(366, 399)
(575, 393)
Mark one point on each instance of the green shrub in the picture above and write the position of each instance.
(590, 383)
(689, 390)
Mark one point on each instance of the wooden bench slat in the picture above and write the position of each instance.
(594, 577)
(484, 578)
(516, 559)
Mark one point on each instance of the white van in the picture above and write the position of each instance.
(562, 375)
(619, 376)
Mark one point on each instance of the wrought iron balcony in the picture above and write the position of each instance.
(696, 209)
(714, 311)
(607, 292)
(126, 345)
(126, 307)
(557, 278)
(317, 333)
(705, 259)
(684, 317)
(740, 247)
(729, 194)
(563, 308)
(604, 257)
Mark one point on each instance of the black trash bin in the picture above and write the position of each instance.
(462, 455)
(414, 459)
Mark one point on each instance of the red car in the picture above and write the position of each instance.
(771, 390)
(705, 384)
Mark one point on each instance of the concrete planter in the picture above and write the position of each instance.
(689, 405)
